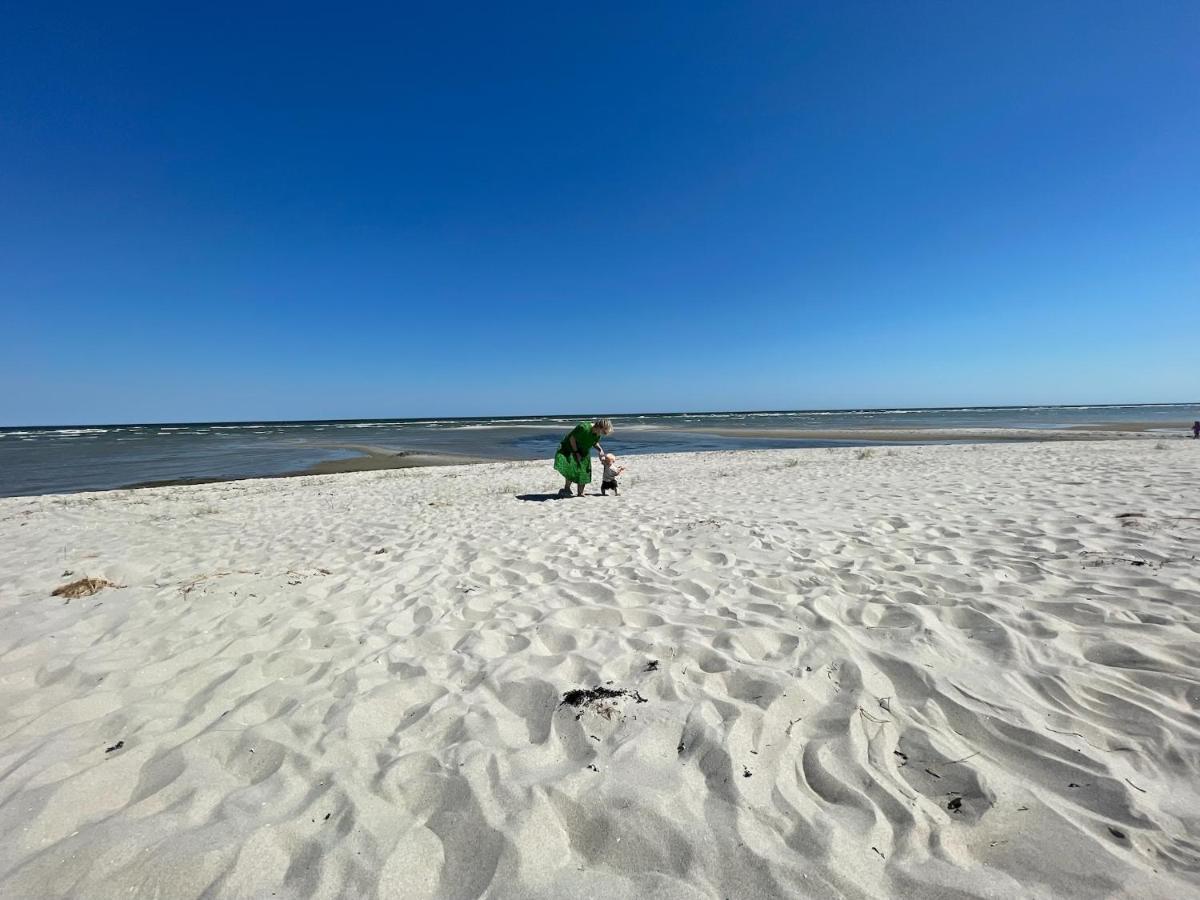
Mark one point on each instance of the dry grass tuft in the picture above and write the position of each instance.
(84, 587)
(865, 453)
(785, 464)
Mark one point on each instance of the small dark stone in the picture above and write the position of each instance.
(745, 772)
(327, 815)
(117, 746)
(954, 805)
(652, 666)
(1116, 832)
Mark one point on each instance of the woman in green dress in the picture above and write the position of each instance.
(573, 461)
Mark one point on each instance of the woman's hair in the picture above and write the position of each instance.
(604, 425)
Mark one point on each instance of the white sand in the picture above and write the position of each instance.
(933, 672)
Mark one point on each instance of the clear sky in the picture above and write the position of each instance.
(237, 211)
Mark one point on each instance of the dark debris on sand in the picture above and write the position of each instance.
(597, 699)
(581, 696)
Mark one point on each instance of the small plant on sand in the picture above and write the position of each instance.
(1160, 446)
(865, 453)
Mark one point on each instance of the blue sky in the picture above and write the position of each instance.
(304, 211)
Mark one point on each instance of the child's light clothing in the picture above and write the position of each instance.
(608, 480)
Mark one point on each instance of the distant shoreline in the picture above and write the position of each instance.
(1094, 432)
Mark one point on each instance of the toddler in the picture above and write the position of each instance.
(608, 480)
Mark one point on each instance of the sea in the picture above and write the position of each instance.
(52, 459)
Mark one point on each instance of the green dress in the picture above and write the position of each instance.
(577, 470)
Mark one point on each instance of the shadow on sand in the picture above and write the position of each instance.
(540, 498)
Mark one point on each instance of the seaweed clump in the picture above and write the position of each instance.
(84, 587)
(598, 699)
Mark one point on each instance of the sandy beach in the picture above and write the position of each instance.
(939, 671)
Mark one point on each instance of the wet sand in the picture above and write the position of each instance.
(374, 459)
(370, 460)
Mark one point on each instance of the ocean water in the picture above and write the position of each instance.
(57, 460)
